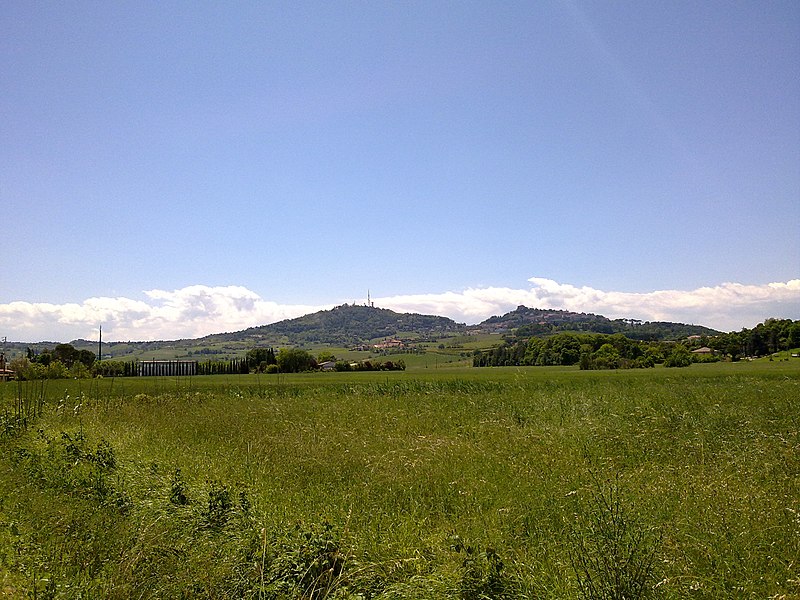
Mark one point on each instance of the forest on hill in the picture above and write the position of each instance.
(535, 322)
(349, 324)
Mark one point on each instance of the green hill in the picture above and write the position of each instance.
(537, 322)
(348, 325)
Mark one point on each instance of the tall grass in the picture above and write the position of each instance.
(456, 484)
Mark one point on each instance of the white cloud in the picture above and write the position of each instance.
(727, 307)
(199, 310)
(189, 312)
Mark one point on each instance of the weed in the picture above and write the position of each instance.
(178, 489)
(612, 554)
(219, 505)
(482, 575)
(306, 560)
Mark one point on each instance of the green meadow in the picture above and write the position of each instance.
(436, 482)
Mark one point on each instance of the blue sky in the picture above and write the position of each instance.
(173, 169)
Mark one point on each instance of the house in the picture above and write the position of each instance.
(328, 365)
(704, 351)
(386, 344)
(5, 373)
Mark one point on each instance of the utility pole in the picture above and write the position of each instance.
(100, 346)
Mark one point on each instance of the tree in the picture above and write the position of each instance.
(78, 370)
(87, 358)
(294, 360)
(260, 358)
(679, 357)
(20, 366)
(325, 356)
(66, 354)
(793, 336)
(57, 370)
(607, 357)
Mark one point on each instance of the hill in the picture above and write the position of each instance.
(347, 325)
(535, 322)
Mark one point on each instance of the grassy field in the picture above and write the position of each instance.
(430, 483)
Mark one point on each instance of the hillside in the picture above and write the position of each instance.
(347, 325)
(533, 322)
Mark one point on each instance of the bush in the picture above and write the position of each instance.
(57, 370)
(607, 357)
(611, 553)
(70, 462)
(21, 367)
(294, 360)
(679, 357)
(482, 574)
(80, 371)
(219, 505)
(306, 562)
(178, 490)
(109, 368)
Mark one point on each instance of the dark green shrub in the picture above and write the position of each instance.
(219, 505)
(482, 574)
(679, 357)
(304, 562)
(178, 490)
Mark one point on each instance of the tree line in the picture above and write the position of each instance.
(66, 362)
(615, 351)
(769, 337)
(589, 350)
(62, 362)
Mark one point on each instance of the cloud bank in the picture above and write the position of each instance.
(726, 307)
(200, 310)
(189, 312)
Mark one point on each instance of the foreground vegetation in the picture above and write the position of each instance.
(465, 483)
